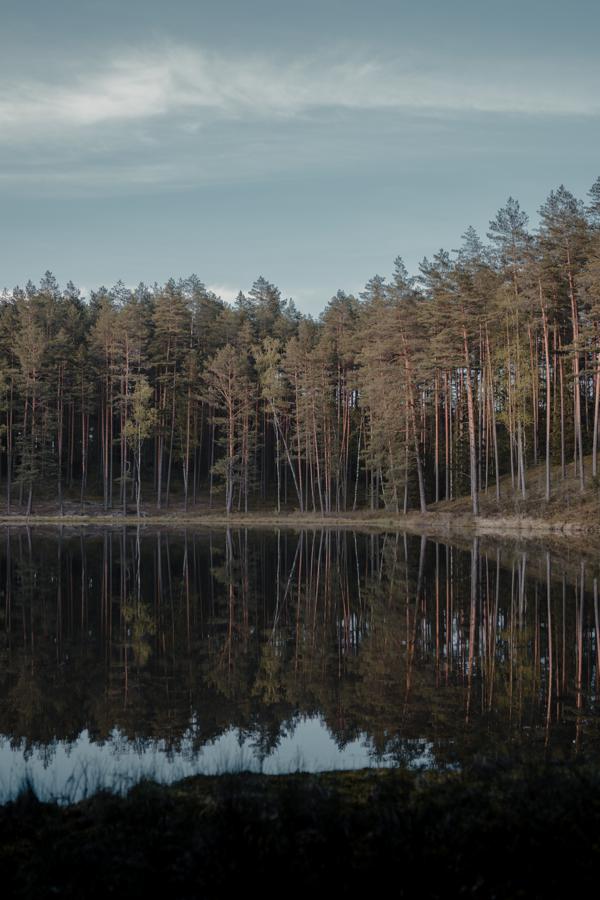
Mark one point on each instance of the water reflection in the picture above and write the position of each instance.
(75, 770)
(316, 649)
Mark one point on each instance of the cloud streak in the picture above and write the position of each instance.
(196, 86)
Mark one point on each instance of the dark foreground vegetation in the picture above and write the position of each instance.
(491, 832)
(419, 390)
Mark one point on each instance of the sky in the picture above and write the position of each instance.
(311, 143)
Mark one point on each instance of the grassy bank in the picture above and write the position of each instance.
(570, 512)
(487, 833)
(441, 521)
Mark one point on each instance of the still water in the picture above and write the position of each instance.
(128, 653)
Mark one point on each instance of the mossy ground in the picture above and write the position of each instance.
(491, 832)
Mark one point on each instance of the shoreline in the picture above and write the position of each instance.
(322, 833)
(434, 522)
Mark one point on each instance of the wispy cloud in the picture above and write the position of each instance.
(179, 117)
(194, 84)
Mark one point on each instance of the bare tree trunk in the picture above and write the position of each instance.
(437, 438)
(596, 416)
(576, 374)
(471, 421)
(493, 417)
(413, 421)
(548, 395)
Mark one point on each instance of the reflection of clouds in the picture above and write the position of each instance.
(80, 768)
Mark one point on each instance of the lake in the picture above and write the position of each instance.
(129, 653)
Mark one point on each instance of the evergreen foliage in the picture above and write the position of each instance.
(418, 390)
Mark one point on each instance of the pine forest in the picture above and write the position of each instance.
(482, 367)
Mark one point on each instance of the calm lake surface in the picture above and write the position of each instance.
(128, 653)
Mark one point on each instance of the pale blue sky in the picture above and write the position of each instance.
(308, 142)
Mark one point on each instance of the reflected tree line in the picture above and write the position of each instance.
(411, 642)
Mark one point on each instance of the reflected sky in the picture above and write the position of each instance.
(68, 772)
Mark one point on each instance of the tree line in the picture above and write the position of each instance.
(419, 389)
